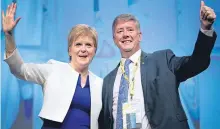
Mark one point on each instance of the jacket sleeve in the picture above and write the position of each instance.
(189, 66)
(101, 115)
(36, 73)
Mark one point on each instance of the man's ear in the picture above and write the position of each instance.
(140, 36)
(114, 38)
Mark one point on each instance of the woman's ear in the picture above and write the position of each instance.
(69, 51)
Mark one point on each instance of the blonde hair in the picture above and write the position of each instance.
(82, 30)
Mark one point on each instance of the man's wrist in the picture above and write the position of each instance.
(207, 27)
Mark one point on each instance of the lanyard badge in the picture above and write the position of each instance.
(130, 82)
(131, 110)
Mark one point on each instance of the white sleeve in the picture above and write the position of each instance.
(36, 73)
(208, 32)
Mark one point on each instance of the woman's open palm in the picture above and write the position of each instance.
(8, 22)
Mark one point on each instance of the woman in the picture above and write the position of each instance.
(72, 93)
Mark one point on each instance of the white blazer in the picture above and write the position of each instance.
(59, 82)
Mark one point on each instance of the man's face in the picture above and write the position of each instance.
(127, 36)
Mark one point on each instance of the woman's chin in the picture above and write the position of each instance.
(83, 65)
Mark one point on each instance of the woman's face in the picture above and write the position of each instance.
(82, 51)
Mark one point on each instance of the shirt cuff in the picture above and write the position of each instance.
(13, 53)
(207, 32)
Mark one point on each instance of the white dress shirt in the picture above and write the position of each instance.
(138, 92)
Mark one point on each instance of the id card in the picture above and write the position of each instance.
(131, 115)
(135, 104)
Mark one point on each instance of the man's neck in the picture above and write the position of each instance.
(128, 54)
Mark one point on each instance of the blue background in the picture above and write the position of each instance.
(42, 34)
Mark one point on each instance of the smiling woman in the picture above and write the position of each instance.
(72, 93)
(82, 45)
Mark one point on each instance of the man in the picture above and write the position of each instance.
(142, 91)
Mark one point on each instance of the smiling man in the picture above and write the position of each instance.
(142, 91)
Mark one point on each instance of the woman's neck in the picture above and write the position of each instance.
(81, 70)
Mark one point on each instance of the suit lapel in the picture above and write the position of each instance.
(143, 68)
(110, 89)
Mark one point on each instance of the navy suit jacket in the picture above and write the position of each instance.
(161, 74)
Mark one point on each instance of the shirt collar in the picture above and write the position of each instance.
(134, 57)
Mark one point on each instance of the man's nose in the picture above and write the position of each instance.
(125, 34)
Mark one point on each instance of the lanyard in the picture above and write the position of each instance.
(131, 83)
